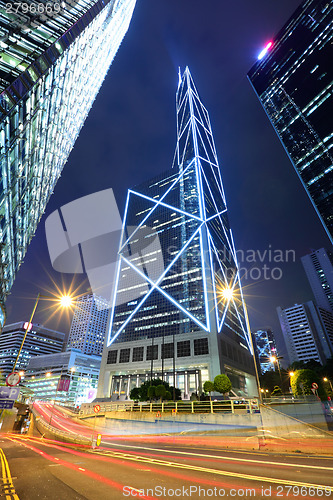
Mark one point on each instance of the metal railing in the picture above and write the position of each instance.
(178, 407)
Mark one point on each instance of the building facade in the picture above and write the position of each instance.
(88, 325)
(305, 333)
(39, 341)
(67, 377)
(265, 347)
(293, 80)
(318, 266)
(52, 65)
(178, 310)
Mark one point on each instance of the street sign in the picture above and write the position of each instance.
(6, 404)
(314, 385)
(8, 396)
(97, 408)
(9, 392)
(13, 379)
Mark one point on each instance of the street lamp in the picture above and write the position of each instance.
(62, 300)
(325, 379)
(275, 359)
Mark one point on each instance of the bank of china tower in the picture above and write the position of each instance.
(178, 310)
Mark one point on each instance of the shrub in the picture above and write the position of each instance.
(222, 384)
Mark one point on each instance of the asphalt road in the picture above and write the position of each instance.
(44, 469)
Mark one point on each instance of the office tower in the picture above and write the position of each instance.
(178, 311)
(52, 65)
(318, 266)
(293, 80)
(305, 333)
(39, 340)
(68, 377)
(265, 347)
(88, 325)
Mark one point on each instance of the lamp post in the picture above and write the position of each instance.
(64, 301)
(325, 379)
(275, 359)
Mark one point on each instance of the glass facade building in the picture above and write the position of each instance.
(318, 266)
(88, 325)
(306, 332)
(293, 79)
(265, 347)
(178, 297)
(51, 68)
(68, 378)
(39, 340)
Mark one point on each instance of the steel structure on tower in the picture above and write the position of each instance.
(178, 279)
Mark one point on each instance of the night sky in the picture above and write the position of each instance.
(130, 136)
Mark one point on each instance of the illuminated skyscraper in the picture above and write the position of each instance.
(89, 324)
(52, 65)
(39, 340)
(265, 347)
(293, 79)
(305, 331)
(178, 310)
(318, 266)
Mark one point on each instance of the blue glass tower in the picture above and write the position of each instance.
(52, 65)
(178, 291)
(293, 79)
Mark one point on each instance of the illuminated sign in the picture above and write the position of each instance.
(27, 326)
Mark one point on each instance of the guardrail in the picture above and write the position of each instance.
(69, 436)
(228, 406)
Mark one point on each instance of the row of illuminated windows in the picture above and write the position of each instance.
(200, 347)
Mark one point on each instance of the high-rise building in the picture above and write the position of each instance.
(293, 78)
(88, 325)
(69, 377)
(39, 340)
(305, 334)
(52, 65)
(265, 347)
(318, 266)
(178, 310)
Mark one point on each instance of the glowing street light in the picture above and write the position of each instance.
(291, 374)
(66, 301)
(62, 300)
(48, 374)
(227, 293)
(325, 379)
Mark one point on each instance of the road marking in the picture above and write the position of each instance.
(224, 457)
(8, 486)
(217, 472)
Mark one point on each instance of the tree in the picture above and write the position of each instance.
(222, 384)
(168, 395)
(142, 393)
(301, 383)
(151, 392)
(135, 393)
(208, 387)
(160, 391)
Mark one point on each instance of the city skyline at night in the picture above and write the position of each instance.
(129, 137)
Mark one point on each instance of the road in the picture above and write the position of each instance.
(132, 467)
